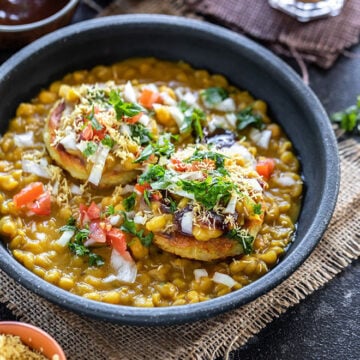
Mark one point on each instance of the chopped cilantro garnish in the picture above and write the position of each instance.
(90, 149)
(95, 259)
(163, 147)
(193, 122)
(171, 203)
(139, 131)
(82, 235)
(129, 202)
(80, 249)
(349, 119)
(257, 209)
(94, 123)
(153, 173)
(212, 191)
(214, 95)
(183, 106)
(76, 245)
(129, 226)
(243, 237)
(110, 210)
(96, 95)
(246, 117)
(108, 141)
(219, 159)
(146, 198)
(123, 108)
(70, 225)
(145, 154)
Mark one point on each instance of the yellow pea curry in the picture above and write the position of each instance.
(147, 183)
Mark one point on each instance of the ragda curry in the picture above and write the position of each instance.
(147, 183)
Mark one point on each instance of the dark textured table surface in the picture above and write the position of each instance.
(326, 325)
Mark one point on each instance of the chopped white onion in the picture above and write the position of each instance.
(144, 120)
(126, 189)
(261, 138)
(189, 98)
(224, 279)
(40, 236)
(69, 142)
(43, 162)
(199, 273)
(187, 223)
(99, 163)
(242, 151)
(177, 115)
(75, 189)
(217, 122)
(230, 208)
(55, 188)
(285, 181)
(139, 219)
(180, 192)
(110, 279)
(114, 219)
(192, 175)
(129, 93)
(254, 185)
(81, 145)
(167, 99)
(35, 168)
(65, 237)
(125, 269)
(90, 242)
(180, 91)
(231, 119)
(163, 160)
(226, 105)
(151, 87)
(24, 140)
(125, 129)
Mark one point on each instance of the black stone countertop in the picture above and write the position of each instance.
(326, 325)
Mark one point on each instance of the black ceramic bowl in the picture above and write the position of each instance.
(249, 66)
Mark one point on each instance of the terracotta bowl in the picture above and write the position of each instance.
(15, 36)
(248, 66)
(34, 338)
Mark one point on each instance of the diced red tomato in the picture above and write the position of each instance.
(87, 214)
(93, 211)
(265, 168)
(134, 119)
(42, 205)
(97, 232)
(179, 165)
(100, 134)
(148, 98)
(142, 187)
(28, 194)
(117, 239)
(83, 216)
(87, 133)
(156, 196)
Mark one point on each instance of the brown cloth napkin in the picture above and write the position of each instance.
(319, 41)
(83, 338)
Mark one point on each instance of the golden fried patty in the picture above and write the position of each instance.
(75, 162)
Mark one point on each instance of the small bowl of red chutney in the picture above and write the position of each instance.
(22, 21)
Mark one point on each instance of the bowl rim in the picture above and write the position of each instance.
(191, 312)
(16, 330)
(40, 23)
